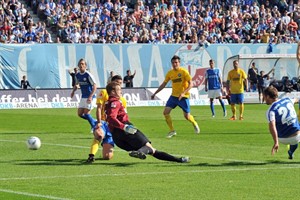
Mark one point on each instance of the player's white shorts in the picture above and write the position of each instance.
(84, 104)
(212, 94)
(291, 140)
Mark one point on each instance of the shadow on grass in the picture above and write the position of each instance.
(99, 161)
(240, 163)
(75, 162)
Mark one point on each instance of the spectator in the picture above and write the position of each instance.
(128, 79)
(252, 77)
(287, 84)
(263, 82)
(235, 21)
(25, 83)
(111, 74)
(72, 74)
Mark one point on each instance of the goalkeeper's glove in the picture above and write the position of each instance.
(130, 129)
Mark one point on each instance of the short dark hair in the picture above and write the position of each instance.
(116, 77)
(81, 61)
(175, 57)
(271, 91)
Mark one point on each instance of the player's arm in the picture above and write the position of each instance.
(74, 87)
(74, 90)
(162, 86)
(220, 80)
(205, 83)
(190, 85)
(93, 91)
(245, 83)
(228, 86)
(99, 113)
(273, 131)
(101, 99)
(94, 88)
(228, 83)
(99, 108)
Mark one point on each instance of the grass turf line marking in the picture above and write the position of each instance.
(32, 195)
(151, 173)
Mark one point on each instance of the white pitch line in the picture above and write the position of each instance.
(32, 195)
(152, 173)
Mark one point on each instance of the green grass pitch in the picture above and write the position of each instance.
(229, 159)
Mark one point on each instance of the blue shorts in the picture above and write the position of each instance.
(184, 103)
(107, 135)
(237, 98)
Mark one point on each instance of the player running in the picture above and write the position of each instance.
(181, 85)
(88, 89)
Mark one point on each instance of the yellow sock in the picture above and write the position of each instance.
(192, 120)
(169, 122)
(94, 147)
(241, 110)
(233, 109)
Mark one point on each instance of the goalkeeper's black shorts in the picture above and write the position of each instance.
(129, 142)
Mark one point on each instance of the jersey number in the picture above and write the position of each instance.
(284, 111)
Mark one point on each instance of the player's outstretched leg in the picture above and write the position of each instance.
(167, 157)
(142, 152)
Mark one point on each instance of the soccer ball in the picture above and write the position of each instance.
(33, 143)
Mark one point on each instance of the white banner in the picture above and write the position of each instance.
(60, 98)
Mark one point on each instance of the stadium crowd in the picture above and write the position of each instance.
(151, 21)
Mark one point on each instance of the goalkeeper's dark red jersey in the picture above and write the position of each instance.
(116, 115)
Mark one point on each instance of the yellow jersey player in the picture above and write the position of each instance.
(101, 132)
(181, 85)
(236, 81)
